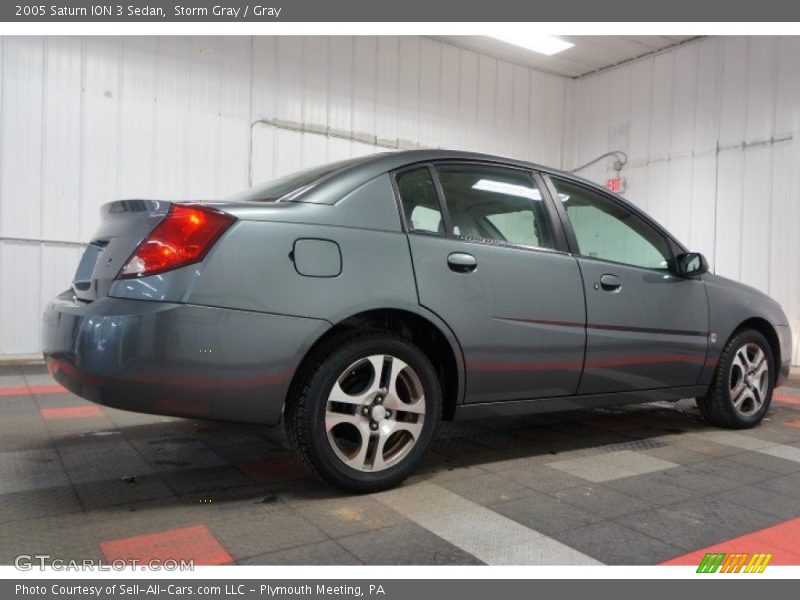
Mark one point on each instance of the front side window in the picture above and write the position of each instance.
(606, 230)
(420, 200)
(495, 204)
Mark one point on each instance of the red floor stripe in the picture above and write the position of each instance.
(48, 389)
(20, 390)
(268, 470)
(793, 423)
(195, 543)
(31, 390)
(787, 399)
(782, 541)
(70, 412)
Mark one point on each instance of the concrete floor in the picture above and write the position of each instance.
(640, 485)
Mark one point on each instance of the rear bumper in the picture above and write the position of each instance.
(176, 359)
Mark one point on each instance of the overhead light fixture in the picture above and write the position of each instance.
(543, 44)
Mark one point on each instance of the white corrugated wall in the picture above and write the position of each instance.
(711, 133)
(88, 120)
(711, 130)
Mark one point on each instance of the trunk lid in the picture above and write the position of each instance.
(123, 226)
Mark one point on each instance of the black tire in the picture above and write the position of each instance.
(717, 406)
(305, 410)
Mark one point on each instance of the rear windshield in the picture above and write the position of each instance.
(276, 189)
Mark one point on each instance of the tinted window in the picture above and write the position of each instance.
(607, 230)
(277, 188)
(495, 204)
(420, 202)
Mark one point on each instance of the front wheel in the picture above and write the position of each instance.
(364, 411)
(741, 391)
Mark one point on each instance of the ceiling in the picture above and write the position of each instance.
(589, 54)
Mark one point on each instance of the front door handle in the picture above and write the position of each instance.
(609, 283)
(461, 262)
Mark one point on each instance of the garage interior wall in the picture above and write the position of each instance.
(89, 120)
(710, 129)
(711, 133)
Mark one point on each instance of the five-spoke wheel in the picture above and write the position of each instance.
(375, 412)
(365, 410)
(741, 390)
(749, 379)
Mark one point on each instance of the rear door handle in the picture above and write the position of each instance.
(609, 283)
(461, 262)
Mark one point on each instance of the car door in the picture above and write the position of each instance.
(489, 262)
(646, 328)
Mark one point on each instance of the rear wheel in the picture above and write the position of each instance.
(364, 411)
(741, 391)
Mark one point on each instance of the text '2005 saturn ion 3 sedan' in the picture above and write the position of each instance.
(364, 301)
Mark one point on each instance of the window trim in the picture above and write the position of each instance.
(560, 245)
(572, 240)
(405, 220)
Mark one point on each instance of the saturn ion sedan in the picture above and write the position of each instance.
(364, 301)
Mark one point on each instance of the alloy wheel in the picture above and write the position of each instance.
(375, 413)
(749, 379)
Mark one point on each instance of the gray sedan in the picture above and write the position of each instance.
(364, 301)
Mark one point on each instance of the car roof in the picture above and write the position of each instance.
(408, 157)
(333, 187)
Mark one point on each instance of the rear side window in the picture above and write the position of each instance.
(495, 204)
(420, 201)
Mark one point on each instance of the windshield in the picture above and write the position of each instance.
(276, 189)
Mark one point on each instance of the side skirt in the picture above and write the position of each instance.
(563, 403)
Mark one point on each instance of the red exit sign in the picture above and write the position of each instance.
(615, 185)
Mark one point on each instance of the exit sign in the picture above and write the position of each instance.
(615, 185)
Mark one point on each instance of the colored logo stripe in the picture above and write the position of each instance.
(711, 562)
(734, 563)
(758, 563)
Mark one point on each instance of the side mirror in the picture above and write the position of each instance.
(690, 264)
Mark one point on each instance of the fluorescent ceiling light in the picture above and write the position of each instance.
(543, 44)
(510, 189)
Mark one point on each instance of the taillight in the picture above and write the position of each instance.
(184, 237)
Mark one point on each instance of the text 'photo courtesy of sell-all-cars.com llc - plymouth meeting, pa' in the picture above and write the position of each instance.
(362, 302)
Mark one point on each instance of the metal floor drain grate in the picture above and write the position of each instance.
(633, 445)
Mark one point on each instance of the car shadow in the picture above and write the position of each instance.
(203, 468)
